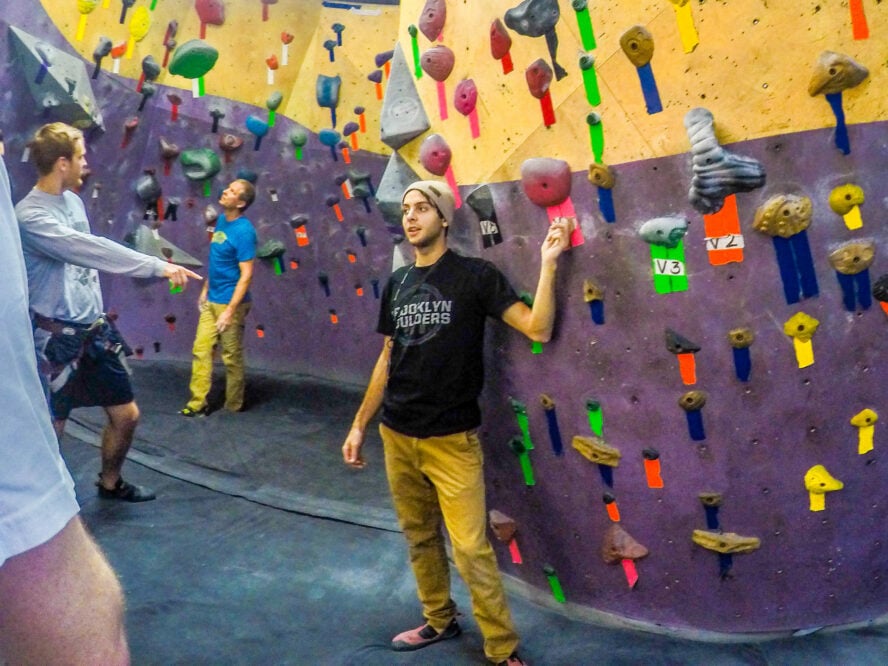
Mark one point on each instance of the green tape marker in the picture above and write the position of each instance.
(590, 79)
(660, 258)
(278, 269)
(676, 254)
(520, 410)
(584, 22)
(596, 418)
(207, 188)
(596, 136)
(271, 117)
(554, 583)
(417, 68)
(520, 450)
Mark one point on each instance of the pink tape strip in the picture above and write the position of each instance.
(566, 209)
(451, 180)
(473, 123)
(442, 100)
(631, 573)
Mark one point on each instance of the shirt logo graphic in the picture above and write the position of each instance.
(420, 315)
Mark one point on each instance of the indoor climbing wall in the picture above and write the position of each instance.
(697, 447)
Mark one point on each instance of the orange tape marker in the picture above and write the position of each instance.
(687, 368)
(610, 503)
(724, 241)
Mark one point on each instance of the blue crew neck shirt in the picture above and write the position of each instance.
(232, 243)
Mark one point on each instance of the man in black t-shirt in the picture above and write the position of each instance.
(427, 381)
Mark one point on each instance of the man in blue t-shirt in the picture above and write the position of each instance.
(225, 302)
(427, 381)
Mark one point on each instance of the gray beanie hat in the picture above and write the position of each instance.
(439, 195)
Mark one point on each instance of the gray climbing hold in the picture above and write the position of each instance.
(148, 241)
(395, 179)
(717, 172)
(63, 91)
(403, 117)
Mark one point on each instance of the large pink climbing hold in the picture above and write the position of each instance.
(546, 180)
(437, 62)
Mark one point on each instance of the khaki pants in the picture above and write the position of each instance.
(232, 343)
(439, 482)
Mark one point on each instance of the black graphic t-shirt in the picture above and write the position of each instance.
(435, 316)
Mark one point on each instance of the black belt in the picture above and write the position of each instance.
(57, 326)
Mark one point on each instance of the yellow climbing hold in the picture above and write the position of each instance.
(865, 421)
(818, 482)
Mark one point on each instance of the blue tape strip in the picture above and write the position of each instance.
(606, 204)
(742, 363)
(725, 562)
(846, 282)
(607, 475)
(649, 89)
(864, 294)
(695, 426)
(804, 263)
(786, 264)
(843, 143)
(711, 517)
(596, 309)
(554, 432)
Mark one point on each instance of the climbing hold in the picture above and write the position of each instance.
(620, 546)
(403, 117)
(504, 529)
(500, 45)
(480, 200)
(741, 339)
(727, 543)
(718, 173)
(786, 217)
(546, 181)
(596, 450)
(835, 73)
(200, 163)
(865, 421)
(684, 350)
(818, 482)
(638, 45)
(537, 18)
(594, 296)
(851, 261)
(538, 76)
(692, 402)
(432, 18)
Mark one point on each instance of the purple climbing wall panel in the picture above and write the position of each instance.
(761, 435)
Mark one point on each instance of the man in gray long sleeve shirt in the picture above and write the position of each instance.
(62, 259)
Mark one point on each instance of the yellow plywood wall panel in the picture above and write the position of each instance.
(751, 69)
(244, 42)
